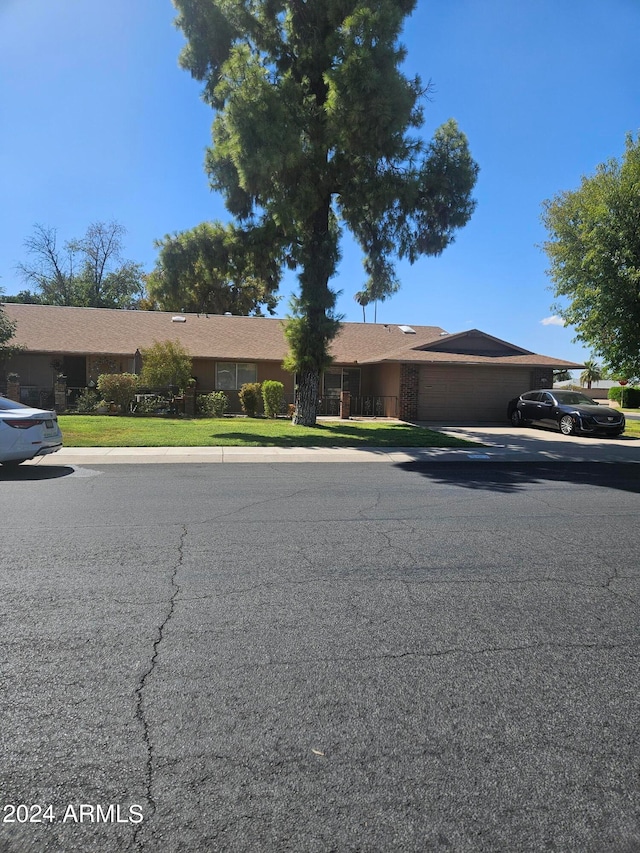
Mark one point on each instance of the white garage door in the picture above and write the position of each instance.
(458, 394)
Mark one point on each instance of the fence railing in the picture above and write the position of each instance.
(163, 400)
(367, 406)
(375, 406)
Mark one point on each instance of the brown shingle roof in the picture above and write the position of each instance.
(533, 359)
(51, 328)
(57, 329)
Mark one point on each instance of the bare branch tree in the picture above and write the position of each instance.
(87, 272)
(50, 268)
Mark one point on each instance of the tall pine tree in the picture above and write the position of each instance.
(313, 132)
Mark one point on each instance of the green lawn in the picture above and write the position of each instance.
(122, 431)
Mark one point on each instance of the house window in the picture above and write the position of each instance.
(351, 381)
(332, 383)
(342, 379)
(232, 375)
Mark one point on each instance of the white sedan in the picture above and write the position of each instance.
(26, 432)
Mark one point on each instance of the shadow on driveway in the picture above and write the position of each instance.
(513, 477)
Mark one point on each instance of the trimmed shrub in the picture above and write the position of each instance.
(153, 405)
(164, 364)
(272, 397)
(119, 388)
(87, 402)
(212, 405)
(631, 395)
(250, 398)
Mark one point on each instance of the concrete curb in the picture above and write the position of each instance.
(494, 444)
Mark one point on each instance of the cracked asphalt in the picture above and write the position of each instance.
(337, 657)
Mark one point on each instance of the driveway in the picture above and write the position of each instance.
(531, 444)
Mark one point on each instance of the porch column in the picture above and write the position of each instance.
(190, 401)
(345, 405)
(13, 387)
(60, 394)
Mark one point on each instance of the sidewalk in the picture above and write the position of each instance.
(494, 444)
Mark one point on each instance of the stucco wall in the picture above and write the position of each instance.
(386, 380)
(205, 372)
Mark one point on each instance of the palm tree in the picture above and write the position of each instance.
(363, 297)
(592, 373)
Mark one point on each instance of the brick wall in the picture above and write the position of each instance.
(542, 377)
(408, 397)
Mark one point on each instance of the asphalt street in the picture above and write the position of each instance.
(339, 657)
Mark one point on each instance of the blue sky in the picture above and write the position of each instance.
(99, 123)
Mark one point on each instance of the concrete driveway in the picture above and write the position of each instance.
(535, 444)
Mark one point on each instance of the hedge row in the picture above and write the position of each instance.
(631, 395)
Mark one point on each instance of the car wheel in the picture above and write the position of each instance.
(516, 418)
(567, 425)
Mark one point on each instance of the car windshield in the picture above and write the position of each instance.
(6, 405)
(573, 398)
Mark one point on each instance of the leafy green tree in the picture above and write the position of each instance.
(562, 376)
(106, 279)
(594, 250)
(24, 297)
(7, 333)
(214, 268)
(166, 363)
(89, 272)
(314, 131)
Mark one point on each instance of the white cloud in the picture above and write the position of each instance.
(553, 321)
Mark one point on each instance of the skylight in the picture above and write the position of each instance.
(407, 330)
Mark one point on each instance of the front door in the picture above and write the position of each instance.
(74, 368)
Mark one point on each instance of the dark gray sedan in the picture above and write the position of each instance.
(571, 411)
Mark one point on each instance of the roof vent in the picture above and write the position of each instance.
(178, 319)
(407, 330)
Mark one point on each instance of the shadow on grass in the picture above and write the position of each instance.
(514, 477)
(343, 435)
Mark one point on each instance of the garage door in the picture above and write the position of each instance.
(469, 394)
